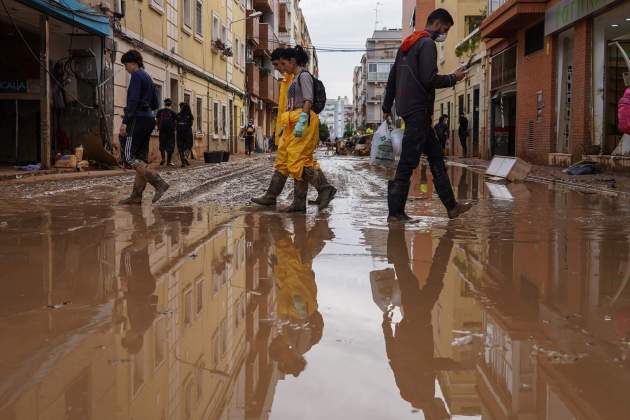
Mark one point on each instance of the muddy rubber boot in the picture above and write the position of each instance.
(318, 180)
(159, 184)
(163, 154)
(276, 185)
(300, 191)
(397, 192)
(329, 193)
(136, 194)
(459, 209)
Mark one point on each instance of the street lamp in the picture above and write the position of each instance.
(252, 16)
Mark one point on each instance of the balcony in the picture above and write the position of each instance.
(268, 40)
(268, 88)
(510, 16)
(253, 30)
(283, 21)
(377, 77)
(253, 79)
(263, 6)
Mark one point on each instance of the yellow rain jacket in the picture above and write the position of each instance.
(282, 154)
(300, 150)
(295, 282)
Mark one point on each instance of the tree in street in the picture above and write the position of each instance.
(348, 131)
(324, 133)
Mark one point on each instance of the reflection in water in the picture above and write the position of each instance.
(520, 312)
(410, 347)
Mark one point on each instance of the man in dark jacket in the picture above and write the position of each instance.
(166, 125)
(412, 83)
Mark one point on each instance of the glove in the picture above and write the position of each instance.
(298, 131)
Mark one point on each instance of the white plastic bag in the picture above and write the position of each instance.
(382, 152)
(397, 139)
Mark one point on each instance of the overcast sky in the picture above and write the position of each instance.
(345, 23)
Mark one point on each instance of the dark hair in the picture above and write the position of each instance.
(185, 108)
(168, 101)
(443, 117)
(442, 15)
(276, 54)
(132, 56)
(301, 56)
(287, 53)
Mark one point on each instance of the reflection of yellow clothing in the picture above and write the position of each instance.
(300, 149)
(295, 280)
(281, 140)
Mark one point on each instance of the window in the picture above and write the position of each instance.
(158, 91)
(243, 51)
(199, 296)
(216, 24)
(224, 34)
(187, 98)
(199, 116)
(535, 38)
(215, 115)
(199, 18)
(188, 306)
(186, 6)
(160, 341)
(224, 119)
(460, 100)
(237, 50)
(372, 68)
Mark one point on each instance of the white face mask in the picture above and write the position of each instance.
(441, 37)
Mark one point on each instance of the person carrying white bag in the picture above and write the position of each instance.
(386, 145)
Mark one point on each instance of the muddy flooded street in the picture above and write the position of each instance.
(208, 308)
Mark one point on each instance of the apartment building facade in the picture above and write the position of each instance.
(370, 79)
(195, 52)
(334, 116)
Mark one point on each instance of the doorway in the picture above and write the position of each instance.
(20, 131)
(175, 92)
(235, 125)
(503, 124)
(565, 91)
(475, 127)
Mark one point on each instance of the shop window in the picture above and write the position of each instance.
(535, 38)
(199, 116)
(503, 68)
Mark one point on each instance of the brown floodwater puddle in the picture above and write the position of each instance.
(519, 310)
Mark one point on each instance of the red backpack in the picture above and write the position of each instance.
(623, 112)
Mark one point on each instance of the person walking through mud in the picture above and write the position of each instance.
(137, 126)
(184, 133)
(250, 132)
(280, 59)
(301, 131)
(441, 131)
(412, 82)
(166, 120)
(410, 347)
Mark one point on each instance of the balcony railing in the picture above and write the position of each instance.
(253, 79)
(378, 77)
(267, 87)
(253, 30)
(268, 40)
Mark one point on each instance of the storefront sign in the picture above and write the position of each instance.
(567, 12)
(13, 86)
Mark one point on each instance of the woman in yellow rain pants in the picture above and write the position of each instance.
(283, 60)
(301, 133)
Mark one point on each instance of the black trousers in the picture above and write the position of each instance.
(139, 136)
(420, 138)
(463, 140)
(249, 145)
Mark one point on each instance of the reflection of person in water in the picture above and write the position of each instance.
(300, 323)
(135, 272)
(410, 346)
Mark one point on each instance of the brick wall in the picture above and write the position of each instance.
(535, 73)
